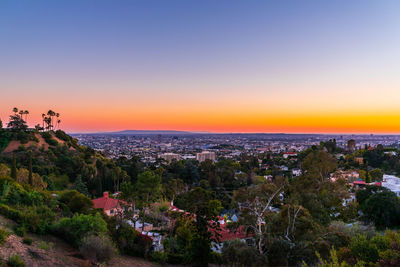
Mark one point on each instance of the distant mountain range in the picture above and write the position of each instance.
(174, 132)
(147, 132)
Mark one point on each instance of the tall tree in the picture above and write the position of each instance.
(255, 204)
(149, 185)
(206, 209)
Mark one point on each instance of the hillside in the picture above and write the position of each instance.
(40, 176)
(38, 142)
(49, 250)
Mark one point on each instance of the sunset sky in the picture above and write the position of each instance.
(220, 66)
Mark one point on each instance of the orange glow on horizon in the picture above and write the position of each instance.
(231, 122)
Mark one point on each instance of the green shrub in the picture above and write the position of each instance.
(11, 213)
(20, 231)
(97, 248)
(76, 202)
(63, 136)
(38, 219)
(128, 240)
(27, 241)
(48, 138)
(80, 225)
(160, 257)
(15, 261)
(45, 246)
(3, 236)
(23, 137)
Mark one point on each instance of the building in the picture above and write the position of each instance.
(170, 157)
(296, 172)
(351, 145)
(289, 154)
(225, 234)
(392, 183)
(359, 160)
(205, 155)
(110, 206)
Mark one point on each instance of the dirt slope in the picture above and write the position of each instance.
(59, 252)
(14, 145)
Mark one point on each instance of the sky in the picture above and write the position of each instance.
(220, 66)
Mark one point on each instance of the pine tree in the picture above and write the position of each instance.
(14, 168)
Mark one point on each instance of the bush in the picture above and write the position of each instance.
(3, 236)
(45, 246)
(76, 202)
(15, 261)
(97, 248)
(128, 240)
(80, 225)
(20, 231)
(48, 138)
(23, 137)
(159, 257)
(63, 136)
(27, 241)
(11, 213)
(38, 219)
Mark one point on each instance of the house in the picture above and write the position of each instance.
(358, 184)
(296, 172)
(289, 154)
(110, 206)
(350, 199)
(359, 160)
(392, 183)
(225, 234)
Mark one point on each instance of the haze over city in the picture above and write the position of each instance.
(218, 66)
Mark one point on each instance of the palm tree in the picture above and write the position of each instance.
(15, 110)
(26, 112)
(21, 113)
(51, 113)
(58, 121)
(43, 116)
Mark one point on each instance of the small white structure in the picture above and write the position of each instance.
(296, 172)
(392, 183)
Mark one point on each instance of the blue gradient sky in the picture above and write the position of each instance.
(203, 65)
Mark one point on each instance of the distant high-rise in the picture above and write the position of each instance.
(170, 157)
(351, 145)
(205, 155)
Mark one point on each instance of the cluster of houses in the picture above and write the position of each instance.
(113, 206)
(353, 179)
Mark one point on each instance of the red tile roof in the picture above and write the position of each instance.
(105, 202)
(225, 234)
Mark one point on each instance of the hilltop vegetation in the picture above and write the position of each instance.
(48, 181)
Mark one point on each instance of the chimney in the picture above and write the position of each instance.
(105, 194)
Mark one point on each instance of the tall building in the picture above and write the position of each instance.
(351, 145)
(205, 155)
(170, 157)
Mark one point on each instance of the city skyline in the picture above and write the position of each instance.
(226, 66)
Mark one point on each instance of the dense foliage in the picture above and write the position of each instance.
(48, 180)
